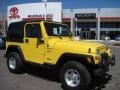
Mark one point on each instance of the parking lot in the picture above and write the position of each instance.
(42, 79)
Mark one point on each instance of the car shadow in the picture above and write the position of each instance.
(99, 82)
(53, 75)
(43, 73)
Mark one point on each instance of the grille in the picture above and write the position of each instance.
(105, 59)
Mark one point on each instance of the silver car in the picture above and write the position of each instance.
(2, 42)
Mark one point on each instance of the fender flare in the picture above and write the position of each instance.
(14, 48)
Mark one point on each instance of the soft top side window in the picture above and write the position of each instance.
(33, 30)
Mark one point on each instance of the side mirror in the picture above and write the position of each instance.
(40, 40)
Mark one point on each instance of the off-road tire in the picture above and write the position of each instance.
(85, 77)
(19, 63)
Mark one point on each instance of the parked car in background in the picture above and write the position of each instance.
(105, 37)
(2, 42)
(117, 38)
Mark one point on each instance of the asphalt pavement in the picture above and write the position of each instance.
(36, 78)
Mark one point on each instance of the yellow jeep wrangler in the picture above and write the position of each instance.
(51, 44)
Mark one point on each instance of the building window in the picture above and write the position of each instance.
(86, 25)
(110, 25)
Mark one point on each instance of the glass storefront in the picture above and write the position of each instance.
(88, 30)
(111, 34)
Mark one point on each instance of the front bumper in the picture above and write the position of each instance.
(107, 60)
(104, 66)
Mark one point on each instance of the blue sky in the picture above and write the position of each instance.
(90, 3)
(69, 3)
(74, 3)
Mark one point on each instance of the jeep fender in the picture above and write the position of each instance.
(73, 56)
(14, 48)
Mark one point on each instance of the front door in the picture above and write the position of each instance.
(85, 34)
(34, 50)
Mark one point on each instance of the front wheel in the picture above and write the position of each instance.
(14, 62)
(74, 76)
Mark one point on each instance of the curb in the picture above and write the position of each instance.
(115, 46)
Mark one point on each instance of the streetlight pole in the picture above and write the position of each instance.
(71, 22)
(45, 3)
(98, 25)
(76, 27)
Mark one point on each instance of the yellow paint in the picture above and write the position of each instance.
(53, 47)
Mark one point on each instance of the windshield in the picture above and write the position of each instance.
(53, 29)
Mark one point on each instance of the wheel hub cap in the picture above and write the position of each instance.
(72, 78)
(12, 63)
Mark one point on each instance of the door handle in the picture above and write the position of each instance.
(27, 40)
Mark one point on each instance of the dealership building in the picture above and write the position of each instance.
(93, 23)
(90, 23)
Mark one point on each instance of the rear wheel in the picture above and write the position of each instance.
(14, 62)
(74, 76)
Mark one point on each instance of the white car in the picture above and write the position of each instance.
(107, 38)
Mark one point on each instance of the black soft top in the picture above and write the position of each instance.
(15, 31)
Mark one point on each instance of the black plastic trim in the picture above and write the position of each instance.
(82, 56)
(13, 48)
